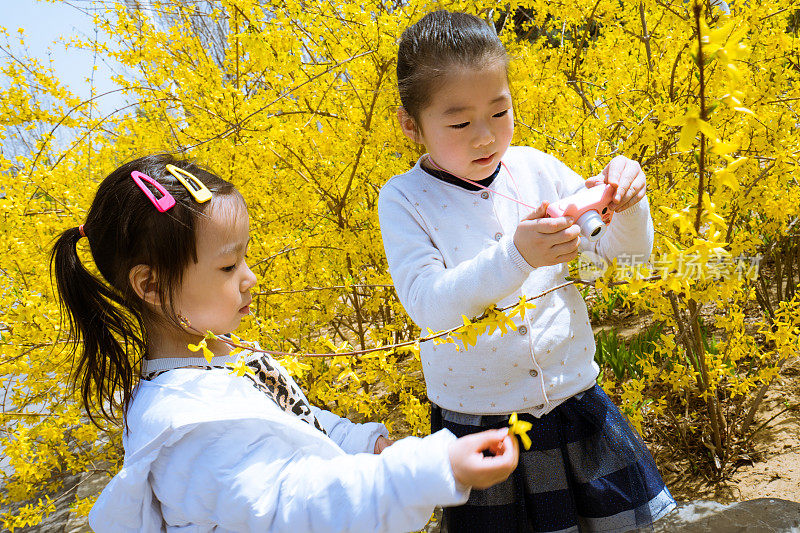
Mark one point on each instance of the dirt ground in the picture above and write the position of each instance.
(774, 471)
(771, 471)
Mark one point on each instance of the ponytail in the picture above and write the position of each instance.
(104, 331)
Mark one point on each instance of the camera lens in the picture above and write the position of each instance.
(592, 225)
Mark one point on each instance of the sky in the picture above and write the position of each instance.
(43, 23)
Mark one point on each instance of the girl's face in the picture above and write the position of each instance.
(468, 125)
(215, 292)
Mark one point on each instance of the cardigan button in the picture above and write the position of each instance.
(533, 372)
(523, 330)
(540, 406)
(498, 236)
(485, 195)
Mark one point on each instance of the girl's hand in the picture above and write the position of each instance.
(547, 241)
(382, 443)
(629, 178)
(472, 469)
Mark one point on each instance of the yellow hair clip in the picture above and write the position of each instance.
(195, 187)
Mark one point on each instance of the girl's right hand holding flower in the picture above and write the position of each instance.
(472, 468)
(546, 241)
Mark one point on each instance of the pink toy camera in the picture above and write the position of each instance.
(589, 209)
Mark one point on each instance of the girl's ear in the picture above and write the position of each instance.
(143, 281)
(407, 124)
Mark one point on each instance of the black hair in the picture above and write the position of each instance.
(106, 317)
(430, 48)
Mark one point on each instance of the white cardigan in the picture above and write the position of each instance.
(206, 451)
(451, 252)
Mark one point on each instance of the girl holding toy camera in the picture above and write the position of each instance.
(467, 228)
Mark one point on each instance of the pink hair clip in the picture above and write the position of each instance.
(162, 204)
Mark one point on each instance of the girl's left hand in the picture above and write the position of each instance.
(629, 178)
(382, 443)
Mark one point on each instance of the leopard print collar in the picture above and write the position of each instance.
(267, 377)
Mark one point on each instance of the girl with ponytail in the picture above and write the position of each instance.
(207, 449)
(107, 317)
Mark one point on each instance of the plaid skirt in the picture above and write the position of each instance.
(587, 470)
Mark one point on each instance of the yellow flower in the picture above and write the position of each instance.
(467, 333)
(240, 368)
(413, 349)
(520, 428)
(691, 122)
(496, 319)
(294, 366)
(208, 354)
(522, 306)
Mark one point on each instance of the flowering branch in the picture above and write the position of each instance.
(496, 319)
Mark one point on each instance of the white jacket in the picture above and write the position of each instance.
(451, 252)
(206, 451)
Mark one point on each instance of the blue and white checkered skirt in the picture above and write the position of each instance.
(587, 470)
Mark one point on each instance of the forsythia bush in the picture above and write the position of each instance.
(294, 102)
